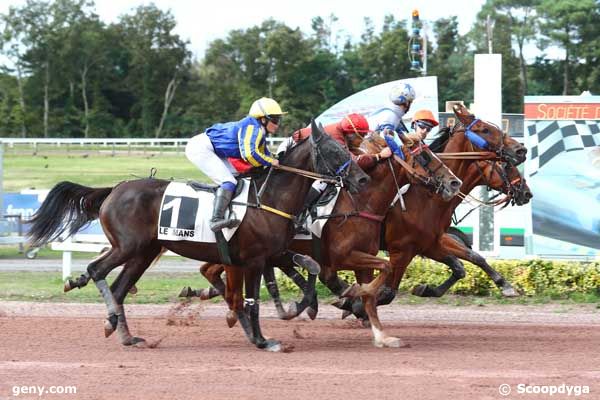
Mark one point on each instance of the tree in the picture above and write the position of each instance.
(157, 58)
(522, 15)
(562, 24)
(12, 42)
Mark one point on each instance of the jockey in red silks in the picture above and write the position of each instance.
(244, 139)
(345, 132)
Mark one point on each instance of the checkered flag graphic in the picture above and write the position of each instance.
(546, 139)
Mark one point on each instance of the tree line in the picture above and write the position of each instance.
(66, 73)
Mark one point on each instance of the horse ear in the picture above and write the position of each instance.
(462, 113)
(316, 131)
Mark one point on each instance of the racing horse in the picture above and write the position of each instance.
(422, 229)
(351, 236)
(129, 214)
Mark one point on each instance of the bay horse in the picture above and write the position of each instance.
(422, 229)
(351, 238)
(129, 215)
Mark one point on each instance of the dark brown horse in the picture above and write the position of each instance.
(129, 216)
(350, 240)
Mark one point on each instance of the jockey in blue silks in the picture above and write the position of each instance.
(390, 116)
(244, 139)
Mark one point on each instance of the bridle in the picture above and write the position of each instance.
(335, 177)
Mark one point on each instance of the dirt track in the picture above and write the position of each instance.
(199, 357)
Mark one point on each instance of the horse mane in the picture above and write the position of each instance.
(441, 140)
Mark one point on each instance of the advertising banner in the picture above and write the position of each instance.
(377, 97)
(562, 134)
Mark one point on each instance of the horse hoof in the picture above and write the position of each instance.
(292, 311)
(133, 290)
(135, 342)
(108, 328)
(186, 292)
(391, 341)
(339, 303)
(509, 291)
(139, 343)
(204, 294)
(351, 291)
(311, 312)
(69, 285)
(231, 318)
(365, 323)
(424, 291)
(346, 314)
(273, 346)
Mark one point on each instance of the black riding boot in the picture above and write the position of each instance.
(311, 198)
(218, 221)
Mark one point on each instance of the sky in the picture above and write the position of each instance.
(200, 22)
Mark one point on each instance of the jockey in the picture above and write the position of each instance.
(346, 132)
(244, 139)
(390, 117)
(422, 123)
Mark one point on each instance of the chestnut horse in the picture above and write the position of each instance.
(129, 215)
(422, 229)
(351, 238)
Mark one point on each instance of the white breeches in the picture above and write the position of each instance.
(201, 153)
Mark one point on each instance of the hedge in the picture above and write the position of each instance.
(529, 277)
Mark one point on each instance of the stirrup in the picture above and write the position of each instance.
(219, 224)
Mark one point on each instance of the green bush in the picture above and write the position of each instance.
(529, 277)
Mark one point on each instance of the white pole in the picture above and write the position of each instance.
(66, 261)
(488, 106)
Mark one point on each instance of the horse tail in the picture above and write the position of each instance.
(68, 207)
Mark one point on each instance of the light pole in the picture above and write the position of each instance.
(417, 45)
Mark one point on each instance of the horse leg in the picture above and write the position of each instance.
(252, 278)
(212, 273)
(235, 300)
(98, 270)
(84, 278)
(458, 249)
(287, 262)
(337, 286)
(131, 273)
(271, 284)
(360, 261)
(458, 272)
(387, 293)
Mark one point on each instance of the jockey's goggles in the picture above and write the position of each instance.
(276, 119)
(427, 126)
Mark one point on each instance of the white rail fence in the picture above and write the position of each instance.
(113, 143)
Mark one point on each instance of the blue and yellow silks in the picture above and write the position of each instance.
(245, 139)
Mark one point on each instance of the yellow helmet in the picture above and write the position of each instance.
(265, 107)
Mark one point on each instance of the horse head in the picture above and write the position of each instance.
(331, 159)
(506, 178)
(485, 135)
(427, 168)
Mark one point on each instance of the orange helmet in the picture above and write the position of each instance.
(425, 115)
(354, 123)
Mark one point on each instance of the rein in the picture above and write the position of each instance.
(336, 180)
(469, 155)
